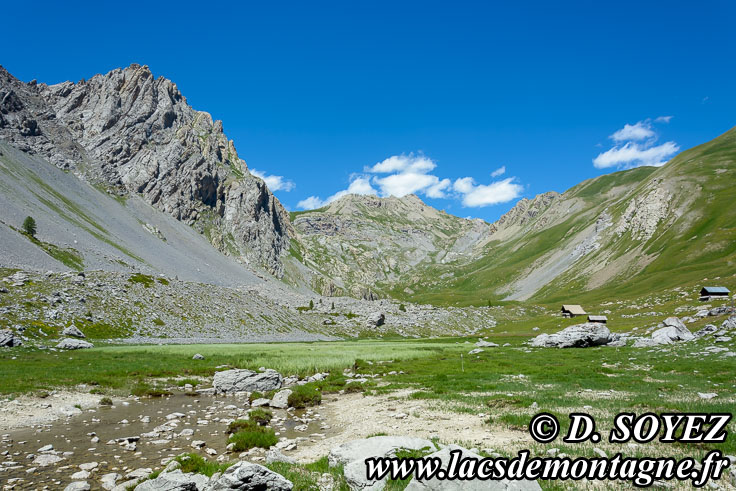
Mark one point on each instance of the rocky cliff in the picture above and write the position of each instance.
(132, 133)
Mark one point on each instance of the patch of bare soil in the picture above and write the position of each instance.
(355, 416)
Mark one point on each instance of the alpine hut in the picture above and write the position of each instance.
(572, 310)
(710, 292)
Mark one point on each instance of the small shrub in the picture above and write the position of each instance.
(353, 387)
(78, 406)
(304, 395)
(193, 463)
(253, 436)
(260, 416)
(96, 391)
(240, 425)
(143, 279)
(159, 322)
(105, 401)
(254, 395)
(402, 307)
(163, 281)
(29, 226)
(311, 305)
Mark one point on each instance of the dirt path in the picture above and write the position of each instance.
(354, 416)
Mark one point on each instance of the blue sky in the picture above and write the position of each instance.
(433, 97)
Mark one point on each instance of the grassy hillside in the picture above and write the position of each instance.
(623, 234)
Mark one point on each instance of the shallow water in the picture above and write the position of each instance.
(72, 439)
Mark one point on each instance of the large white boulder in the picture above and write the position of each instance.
(577, 336)
(69, 343)
(248, 476)
(238, 380)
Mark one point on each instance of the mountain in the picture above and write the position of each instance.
(123, 175)
(629, 232)
(359, 242)
(133, 134)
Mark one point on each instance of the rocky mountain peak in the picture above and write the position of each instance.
(525, 211)
(134, 133)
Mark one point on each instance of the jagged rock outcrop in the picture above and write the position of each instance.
(644, 214)
(134, 133)
(525, 211)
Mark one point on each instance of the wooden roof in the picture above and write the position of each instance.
(573, 309)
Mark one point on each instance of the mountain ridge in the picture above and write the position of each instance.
(133, 133)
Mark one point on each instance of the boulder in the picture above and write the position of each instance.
(377, 446)
(674, 330)
(376, 319)
(485, 344)
(69, 343)
(78, 486)
(577, 336)
(108, 480)
(9, 339)
(708, 329)
(475, 351)
(436, 484)
(729, 323)
(197, 356)
(174, 481)
(281, 399)
(73, 331)
(275, 455)
(352, 456)
(249, 476)
(46, 460)
(238, 380)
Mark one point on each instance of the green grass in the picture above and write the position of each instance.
(305, 477)
(252, 435)
(304, 396)
(142, 279)
(260, 416)
(191, 462)
(121, 367)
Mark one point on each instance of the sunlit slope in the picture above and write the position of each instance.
(625, 233)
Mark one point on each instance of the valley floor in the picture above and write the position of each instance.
(426, 388)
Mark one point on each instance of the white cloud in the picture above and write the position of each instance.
(400, 185)
(639, 131)
(274, 183)
(400, 175)
(475, 196)
(634, 155)
(636, 146)
(311, 203)
(359, 185)
(403, 163)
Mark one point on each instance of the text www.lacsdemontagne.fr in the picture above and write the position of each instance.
(638, 471)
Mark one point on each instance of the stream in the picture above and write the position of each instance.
(136, 437)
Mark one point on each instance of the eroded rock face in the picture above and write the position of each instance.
(238, 380)
(578, 336)
(135, 133)
(644, 214)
